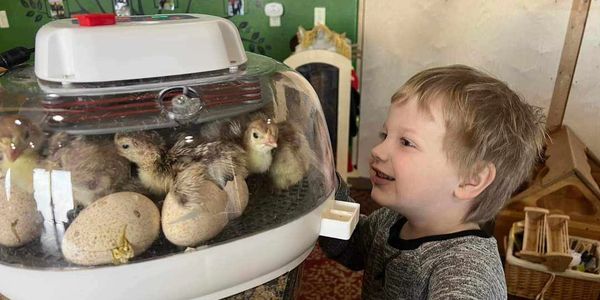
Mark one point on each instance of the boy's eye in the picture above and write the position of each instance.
(407, 143)
(382, 136)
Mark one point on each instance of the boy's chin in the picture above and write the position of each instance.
(378, 198)
(388, 202)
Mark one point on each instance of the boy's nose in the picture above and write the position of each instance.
(378, 153)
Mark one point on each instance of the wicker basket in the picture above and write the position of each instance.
(536, 281)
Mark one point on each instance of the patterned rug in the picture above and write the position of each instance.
(323, 278)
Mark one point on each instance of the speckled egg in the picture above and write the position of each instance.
(198, 220)
(101, 228)
(20, 221)
(237, 197)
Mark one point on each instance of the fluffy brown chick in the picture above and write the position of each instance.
(260, 138)
(20, 144)
(221, 130)
(223, 159)
(147, 149)
(187, 188)
(291, 158)
(96, 168)
(158, 168)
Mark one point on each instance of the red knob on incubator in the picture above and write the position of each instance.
(96, 19)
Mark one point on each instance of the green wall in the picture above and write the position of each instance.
(27, 16)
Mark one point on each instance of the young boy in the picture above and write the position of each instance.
(455, 145)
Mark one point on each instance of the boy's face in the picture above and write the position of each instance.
(410, 170)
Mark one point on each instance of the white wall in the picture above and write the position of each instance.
(519, 42)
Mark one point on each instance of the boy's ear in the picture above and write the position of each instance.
(471, 187)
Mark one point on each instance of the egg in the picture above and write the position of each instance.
(112, 229)
(20, 221)
(192, 223)
(237, 197)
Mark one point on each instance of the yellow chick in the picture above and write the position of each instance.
(260, 138)
(292, 157)
(20, 144)
(281, 149)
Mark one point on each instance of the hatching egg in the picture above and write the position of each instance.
(237, 197)
(112, 229)
(201, 218)
(20, 221)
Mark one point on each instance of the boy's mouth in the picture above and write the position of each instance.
(383, 175)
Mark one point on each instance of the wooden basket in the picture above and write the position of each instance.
(534, 281)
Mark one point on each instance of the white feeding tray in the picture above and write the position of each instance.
(340, 220)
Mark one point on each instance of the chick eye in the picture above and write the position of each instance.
(406, 143)
(255, 135)
(382, 136)
(125, 146)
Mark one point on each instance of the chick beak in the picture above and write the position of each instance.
(271, 143)
(13, 154)
(10, 151)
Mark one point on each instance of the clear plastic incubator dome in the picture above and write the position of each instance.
(154, 159)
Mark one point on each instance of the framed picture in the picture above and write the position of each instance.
(56, 9)
(235, 8)
(122, 8)
(166, 4)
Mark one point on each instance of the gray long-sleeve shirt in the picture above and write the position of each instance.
(461, 265)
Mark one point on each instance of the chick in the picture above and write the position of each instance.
(223, 159)
(221, 130)
(292, 157)
(187, 187)
(20, 144)
(96, 168)
(147, 149)
(159, 167)
(279, 148)
(260, 138)
(195, 210)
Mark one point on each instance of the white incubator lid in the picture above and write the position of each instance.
(136, 47)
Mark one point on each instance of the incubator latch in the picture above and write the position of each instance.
(185, 103)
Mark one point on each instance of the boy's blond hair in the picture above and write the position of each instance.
(486, 122)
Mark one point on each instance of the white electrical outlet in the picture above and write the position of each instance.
(3, 19)
(320, 15)
(274, 11)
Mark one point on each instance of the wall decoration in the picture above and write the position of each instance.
(77, 7)
(235, 8)
(35, 9)
(166, 4)
(252, 39)
(56, 9)
(122, 8)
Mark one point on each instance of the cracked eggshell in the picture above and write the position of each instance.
(237, 196)
(98, 229)
(196, 221)
(20, 221)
